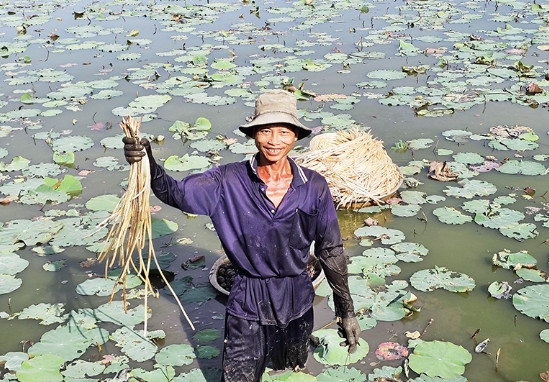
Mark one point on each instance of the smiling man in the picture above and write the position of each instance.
(267, 212)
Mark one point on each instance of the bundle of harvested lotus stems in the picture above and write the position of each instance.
(356, 166)
(131, 229)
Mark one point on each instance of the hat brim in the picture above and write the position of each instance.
(275, 117)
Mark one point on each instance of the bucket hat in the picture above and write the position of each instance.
(276, 106)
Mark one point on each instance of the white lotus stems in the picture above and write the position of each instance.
(131, 229)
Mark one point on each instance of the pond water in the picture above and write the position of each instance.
(72, 70)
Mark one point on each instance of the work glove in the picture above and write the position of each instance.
(135, 149)
(350, 330)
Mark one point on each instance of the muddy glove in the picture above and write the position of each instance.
(350, 330)
(334, 264)
(133, 149)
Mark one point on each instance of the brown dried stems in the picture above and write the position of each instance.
(131, 229)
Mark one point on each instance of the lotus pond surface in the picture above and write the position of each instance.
(449, 277)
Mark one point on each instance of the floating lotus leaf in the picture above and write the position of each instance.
(508, 260)
(13, 360)
(133, 344)
(9, 283)
(468, 158)
(439, 359)
(98, 286)
(80, 369)
(410, 252)
(500, 289)
(207, 351)
(11, 264)
(504, 144)
(450, 215)
(41, 368)
(163, 374)
(522, 167)
(46, 313)
(207, 335)
(341, 373)
(533, 301)
(405, 210)
(471, 188)
(186, 162)
(18, 163)
(386, 372)
(413, 197)
(176, 355)
(67, 342)
(72, 144)
(330, 352)
(544, 335)
(440, 277)
(106, 202)
(386, 235)
(533, 275)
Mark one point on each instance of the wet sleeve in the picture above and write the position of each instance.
(197, 193)
(329, 250)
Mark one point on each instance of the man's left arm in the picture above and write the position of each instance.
(329, 250)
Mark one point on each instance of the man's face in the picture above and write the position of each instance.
(275, 141)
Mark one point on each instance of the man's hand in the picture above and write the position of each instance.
(133, 149)
(350, 330)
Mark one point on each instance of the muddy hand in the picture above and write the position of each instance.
(350, 330)
(133, 149)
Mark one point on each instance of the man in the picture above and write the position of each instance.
(267, 212)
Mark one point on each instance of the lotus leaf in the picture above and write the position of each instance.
(65, 159)
(72, 144)
(405, 210)
(440, 277)
(450, 215)
(18, 163)
(341, 373)
(515, 260)
(533, 275)
(386, 235)
(176, 355)
(439, 359)
(159, 374)
(133, 344)
(106, 202)
(81, 369)
(207, 351)
(500, 289)
(11, 264)
(13, 360)
(207, 335)
(9, 283)
(386, 372)
(186, 162)
(68, 342)
(410, 252)
(47, 313)
(522, 167)
(471, 188)
(413, 197)
(41, 368)
(533, 301)
(98, 286)
(189, 292)
(330, 352)
(544, 335)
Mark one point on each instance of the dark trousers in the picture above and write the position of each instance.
(250, 347)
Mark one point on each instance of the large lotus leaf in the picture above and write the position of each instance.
(520, 231)
(386, 235)
(79, 369)
(186, 162)
(47, 313)
(440, 277)
(534, 275)
(9, 283)
(533, 301)
(413, 197)
(11, 264)
(133, 344)
(44, 194)
(471, 188)
(330, 352)
(17, 163)
(68, 341)
(13, 360)
(176, 355)
(72, 144)
(450, 215)
(162, 227)
(207, 351)
(206, 335)
(439, 359)
(31, 232)
(503, 144)
(522, 167)
(341, 373)
(498, 218)
(41, 368)
(405, 210)
(163, 374)
(99, 286)
(114, 312)
(385, 373)
(426, 378)
(190, 292)
(69, 184)
(508, 260)
(410, 252)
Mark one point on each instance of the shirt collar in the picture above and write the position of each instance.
(299, 176)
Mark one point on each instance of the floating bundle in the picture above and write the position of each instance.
(131, 228)
(356, 166)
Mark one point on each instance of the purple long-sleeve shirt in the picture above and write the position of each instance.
(269, 246)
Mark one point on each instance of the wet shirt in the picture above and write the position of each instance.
(269, 246)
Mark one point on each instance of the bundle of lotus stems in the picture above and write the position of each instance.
(356, 166)
(131, 229)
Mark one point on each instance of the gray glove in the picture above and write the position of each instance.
(350, 330)
(133, 149)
